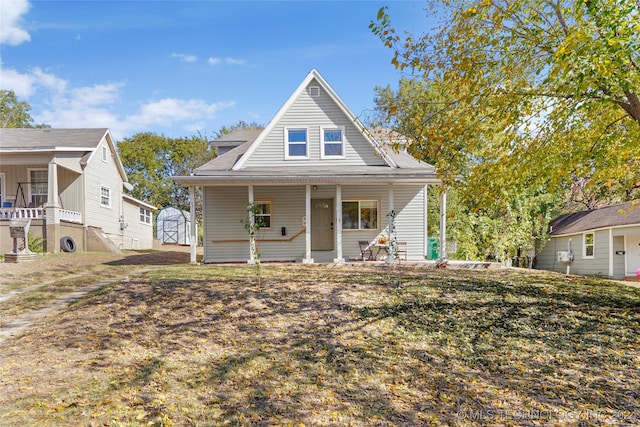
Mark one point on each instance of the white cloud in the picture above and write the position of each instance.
(26, 84)
(56, 102)
(184, 58)
(228, 60)
(10, 22)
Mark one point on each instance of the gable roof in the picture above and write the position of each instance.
(34, 140)
(623, 214)
(313, 75)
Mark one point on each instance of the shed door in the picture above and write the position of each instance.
(322, 225)
(633, 254)
(170, 231)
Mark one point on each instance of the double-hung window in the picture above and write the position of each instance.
(588, 245)
(297, 146)
(105, 196)
(145, 216)
(263, 214)
(359, 214)
(38, 186)
(332, 142)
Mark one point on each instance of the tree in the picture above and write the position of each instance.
(523, 94)
(240, 125)
(15, 113)
(150, 160)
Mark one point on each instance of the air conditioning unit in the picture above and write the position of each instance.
(565, 256)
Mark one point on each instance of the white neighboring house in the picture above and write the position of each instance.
(70, 183)
(604, 241)
(323, 183)
(173, 226)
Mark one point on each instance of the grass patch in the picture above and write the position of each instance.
(321, 345)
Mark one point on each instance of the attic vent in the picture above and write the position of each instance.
(314, 91)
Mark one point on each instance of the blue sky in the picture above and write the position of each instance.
(181, 67)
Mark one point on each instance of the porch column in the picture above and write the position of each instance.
(307, 256)
(443, 226)
(425, 207)
(611, 252)
(390, 259)
(338, 224)
(252, 238)
(194, 230)
(52, 210)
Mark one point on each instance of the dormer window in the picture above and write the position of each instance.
(332, 142)
(296, 143)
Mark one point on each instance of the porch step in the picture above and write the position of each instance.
(98, 241)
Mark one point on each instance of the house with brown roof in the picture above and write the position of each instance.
(70, 183)
(326, 188)
(604, 241)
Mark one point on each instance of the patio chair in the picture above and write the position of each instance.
(402, 250)
(365, 250)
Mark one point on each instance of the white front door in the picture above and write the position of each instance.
(321, 224)
(633, 254)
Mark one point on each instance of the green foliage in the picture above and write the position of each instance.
(15, 113)
(522, 94)
(240, 125)
(36, 244)
(150, 161)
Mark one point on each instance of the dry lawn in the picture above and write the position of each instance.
(325, 345)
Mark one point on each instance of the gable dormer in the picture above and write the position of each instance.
(314, 128)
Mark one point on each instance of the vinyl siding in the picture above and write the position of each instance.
(137, 235)
(99, 173)
(70, 190)
(598, 265)
(313, 113)
(226, 239)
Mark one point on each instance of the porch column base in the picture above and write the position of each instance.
(338, 261)
(53, 238)
(307, 261)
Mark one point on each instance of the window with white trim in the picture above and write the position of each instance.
(105, 196)
(359, 214)
(145, 216)
(296, 143)
(263, 213)
(332, 142)
(38, 186)
(589, 241)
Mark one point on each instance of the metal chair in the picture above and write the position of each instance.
(365, 250)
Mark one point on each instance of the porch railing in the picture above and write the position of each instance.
(7, 214)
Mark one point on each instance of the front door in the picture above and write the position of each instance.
(633, 254)
(321, 224)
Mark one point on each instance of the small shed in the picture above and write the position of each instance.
(173, 226)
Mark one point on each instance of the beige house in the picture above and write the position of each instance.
(327, 188)
(70, 183)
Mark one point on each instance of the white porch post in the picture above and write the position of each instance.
(307, 256)
(52, 209)
(194, 231)
(338, 224)
(53, 215)
(610, 252)
(443, 226)
(425, 208)
(252, 239)
(391, 227)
